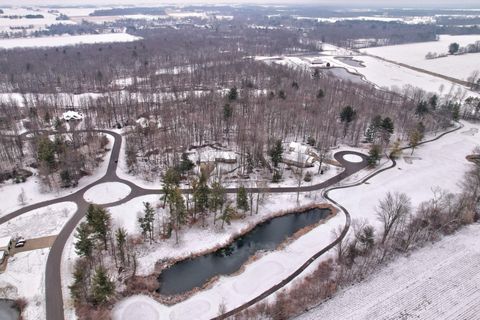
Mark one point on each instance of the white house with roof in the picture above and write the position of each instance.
(299, 155)
(5, 246)
(72, 116)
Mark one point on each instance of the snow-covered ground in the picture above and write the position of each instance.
(439, 281)
(53, 219)
(431, 165)
(6, 23)
(60, 41)
(381, 73)
(460, 67)
(25, 278)
(34, 192)
(107, 192)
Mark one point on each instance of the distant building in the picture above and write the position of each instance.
(72, 115)
(5, 246)
(299, 155)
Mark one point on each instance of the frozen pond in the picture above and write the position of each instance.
(191, 273)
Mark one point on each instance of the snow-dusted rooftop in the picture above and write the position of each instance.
(5, 242)
(72, 115)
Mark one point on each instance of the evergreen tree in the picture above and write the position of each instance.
(242, 199)
(78, 289)
(217, 198)
(276, 153)
(121, 239)
(433, 101)
(178, 210)
(102, 286)
(84, 244)
(186, 164)
(347, 115)
(422, 109)
(146, 222)
(232, 94)
(46, 152)
(374, 155)
(227, 214)
(99, 222)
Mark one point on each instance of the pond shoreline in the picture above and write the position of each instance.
(152, 279)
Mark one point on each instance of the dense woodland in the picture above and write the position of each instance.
(201, 88)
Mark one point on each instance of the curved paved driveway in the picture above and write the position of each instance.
(53, 286)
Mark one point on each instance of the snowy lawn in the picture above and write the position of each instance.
(438, 164)
(60, 41)
(413, 54)
(25, 278)
(107, 192)
(52, 218)
(34, 192)
(439, 281)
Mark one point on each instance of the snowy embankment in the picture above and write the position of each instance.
(35, 192)
(24, 276)
(431, 166)
(52, 217)
(413, 54)
(60, 41)
(439, 281)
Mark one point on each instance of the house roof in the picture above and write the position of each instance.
(5, 241)
(72, 115)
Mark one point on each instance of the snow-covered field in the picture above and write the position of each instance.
(460, 67)
(381, 73)
(31, 24)
(432, 165)
(107, 192)
(53, 219)
(25, 278)
(439, 281)
(60, 41)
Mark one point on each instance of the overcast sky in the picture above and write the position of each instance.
(350, 3)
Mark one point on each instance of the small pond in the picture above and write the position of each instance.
(188, 274)
(351, 62)
(8, 311)
(345, 75)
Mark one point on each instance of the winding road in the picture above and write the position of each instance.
(53, 286)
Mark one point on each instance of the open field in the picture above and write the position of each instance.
(440, 281)
(413, 54)
(66, 40)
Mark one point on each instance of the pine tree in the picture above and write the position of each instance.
(84, 243)
(99, 221)
(217, 198)
(102, 286)
(146, 222)
(227, 214)
(374, 155)
(242, 199)
(276, 153)
(121, 239)
(78, 289)
(347, 115)
(232, 94)
(178, 210)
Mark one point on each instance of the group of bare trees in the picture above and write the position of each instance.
(366, 248)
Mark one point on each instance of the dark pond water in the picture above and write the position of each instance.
(7, 310)
(345, 75)
(188, 274)
(350, 61)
